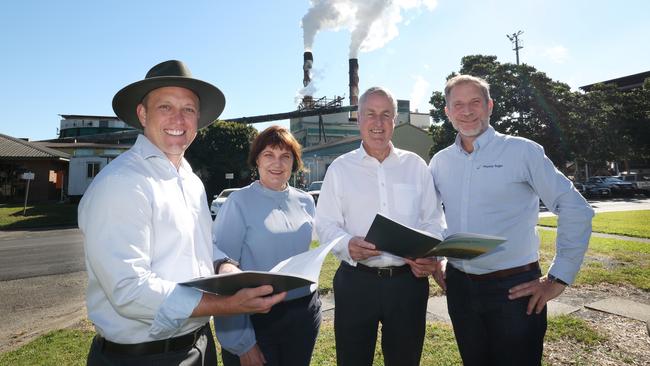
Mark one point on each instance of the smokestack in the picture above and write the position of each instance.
(308, 61)
(354, 85)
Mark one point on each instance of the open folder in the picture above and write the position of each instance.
(398, 239)
(298, 271)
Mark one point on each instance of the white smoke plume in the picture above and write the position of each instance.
(372, 23)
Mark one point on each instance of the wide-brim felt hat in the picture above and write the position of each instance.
(169, 73)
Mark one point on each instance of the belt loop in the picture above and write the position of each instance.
(167, 343)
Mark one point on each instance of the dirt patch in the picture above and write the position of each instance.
(628, 340)
(34, 306)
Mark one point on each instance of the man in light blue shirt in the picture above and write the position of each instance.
(490, 183)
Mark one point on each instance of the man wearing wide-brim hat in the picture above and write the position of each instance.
(146, 227)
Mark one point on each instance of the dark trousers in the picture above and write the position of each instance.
(202, 353)
(287, 334)
(490, 329)
(363, 300)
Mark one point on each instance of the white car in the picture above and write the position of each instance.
(219, 200)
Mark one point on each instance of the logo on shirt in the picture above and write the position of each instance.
(493, 166)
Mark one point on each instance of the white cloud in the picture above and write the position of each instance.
(558, 54)
(420, 94)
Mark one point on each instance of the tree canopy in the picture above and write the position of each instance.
(605, 124)
(219, 149)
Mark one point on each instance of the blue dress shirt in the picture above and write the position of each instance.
(496, 189)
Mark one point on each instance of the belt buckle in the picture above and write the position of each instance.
(382, 271)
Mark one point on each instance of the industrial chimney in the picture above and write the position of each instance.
(354, 85)
(308, 61)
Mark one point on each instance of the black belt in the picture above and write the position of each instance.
(384, 272)
(504, 272)
(154, 347)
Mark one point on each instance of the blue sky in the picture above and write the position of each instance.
(71, 56)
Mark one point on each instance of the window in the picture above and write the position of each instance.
(93, 169)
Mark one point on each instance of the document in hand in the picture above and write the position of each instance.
(398, 239)
(298, 271)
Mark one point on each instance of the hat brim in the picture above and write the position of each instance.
(211, 99)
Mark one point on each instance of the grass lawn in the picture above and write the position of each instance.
(42, 215)
(70, 346)
(628, 223)
(607, 260)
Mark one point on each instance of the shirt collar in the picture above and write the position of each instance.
(145, 148)
(362, 154)
(482, 141)
(283, 194)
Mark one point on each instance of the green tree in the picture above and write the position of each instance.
(611, 125)
(219, 149)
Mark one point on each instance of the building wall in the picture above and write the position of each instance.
(406, 137)
(411, 138)
(44, 186)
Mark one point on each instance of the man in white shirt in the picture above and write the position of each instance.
(146, 227)
(370, 286)
(490, 183)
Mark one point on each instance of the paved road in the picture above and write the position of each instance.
(35, 253)
(618, 204)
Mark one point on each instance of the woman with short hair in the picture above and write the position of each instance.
(259, 226)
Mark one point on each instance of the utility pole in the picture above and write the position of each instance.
(514, 38)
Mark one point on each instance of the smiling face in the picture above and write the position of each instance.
(274, 165)
(468, 110)
(170, 118)
(376, 125)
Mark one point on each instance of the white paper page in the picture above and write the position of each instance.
(307, 264)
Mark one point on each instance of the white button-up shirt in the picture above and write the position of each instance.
(496, 189)
(357, 187)
(146, 227)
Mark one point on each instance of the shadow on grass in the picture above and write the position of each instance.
(37, 216)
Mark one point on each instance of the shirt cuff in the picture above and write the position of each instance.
(342, 250)
(175, 311)
(564, 270)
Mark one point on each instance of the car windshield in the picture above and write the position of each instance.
(315, 186)
(612, 180)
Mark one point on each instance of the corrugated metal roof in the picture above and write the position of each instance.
(13, 148)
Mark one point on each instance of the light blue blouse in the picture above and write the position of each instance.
(259, 228)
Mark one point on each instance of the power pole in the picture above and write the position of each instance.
(514, 38)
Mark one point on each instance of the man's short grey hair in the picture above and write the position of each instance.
(468, 79)
(377, 90)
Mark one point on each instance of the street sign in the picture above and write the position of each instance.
(27, 176)
(230, 175)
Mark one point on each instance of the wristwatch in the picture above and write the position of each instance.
(218, 263)
(555, 279)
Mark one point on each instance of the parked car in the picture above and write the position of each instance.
(593, 189)
(641, 182)
(219, 200)
(617, 186)
(314, 189)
